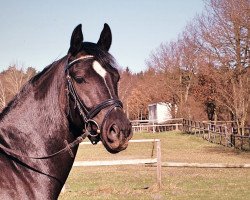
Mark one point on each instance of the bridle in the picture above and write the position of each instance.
(86, 114)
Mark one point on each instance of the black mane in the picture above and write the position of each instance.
(43, 80)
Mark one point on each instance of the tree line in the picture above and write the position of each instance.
(203, 75)
(11, 81)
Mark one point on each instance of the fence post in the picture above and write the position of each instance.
(176, 127)
(184, 125)
(158, 142)
(199, 128)
(189, 125)
(228, 137)
(209, 132)
(220, 133)
(203, 130)
(195, 128)
(153, 126)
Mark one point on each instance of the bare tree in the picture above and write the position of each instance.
(3, 99)
(126, 85)
(11, 81)
(225, 38)
(14, 79)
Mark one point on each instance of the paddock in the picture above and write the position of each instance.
(156, 160)
(139, 181)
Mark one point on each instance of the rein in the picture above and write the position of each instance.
(86, 115)
(68, 148)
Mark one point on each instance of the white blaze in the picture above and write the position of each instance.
(99, 69)
(102, 72)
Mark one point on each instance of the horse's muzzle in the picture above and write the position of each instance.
(116, 132)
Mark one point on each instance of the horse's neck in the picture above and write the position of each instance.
(34, 125)
(38, 127)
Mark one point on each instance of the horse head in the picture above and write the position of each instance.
(92, 79)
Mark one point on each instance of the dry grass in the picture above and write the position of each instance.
(139, 182)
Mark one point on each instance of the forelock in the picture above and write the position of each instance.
(104, 58)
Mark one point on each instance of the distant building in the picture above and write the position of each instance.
(159, 112)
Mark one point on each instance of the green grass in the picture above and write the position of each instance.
(137, 182)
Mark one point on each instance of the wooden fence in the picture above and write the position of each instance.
(153, 126)
(220, 132)
(156, 160)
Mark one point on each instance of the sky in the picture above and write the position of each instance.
(36, 33)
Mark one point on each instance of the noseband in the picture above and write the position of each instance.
(86, 114)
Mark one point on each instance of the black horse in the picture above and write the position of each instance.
(40, 129)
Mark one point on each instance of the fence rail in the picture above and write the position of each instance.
(153, 126)
(156, 160)
(216, 132)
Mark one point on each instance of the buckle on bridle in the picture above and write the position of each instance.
(93, 130)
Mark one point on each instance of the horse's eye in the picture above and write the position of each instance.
(80, 79)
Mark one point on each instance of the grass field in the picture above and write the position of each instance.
(136, 182)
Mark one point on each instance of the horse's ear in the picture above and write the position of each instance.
(76, 40)
(105, 39)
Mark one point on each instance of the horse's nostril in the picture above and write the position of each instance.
(114, 129)
(113, 133)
